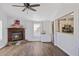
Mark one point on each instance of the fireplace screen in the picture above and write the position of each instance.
(17, 36)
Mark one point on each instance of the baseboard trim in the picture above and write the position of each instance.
(62, 50)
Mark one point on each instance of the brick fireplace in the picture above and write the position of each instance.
(16, 34)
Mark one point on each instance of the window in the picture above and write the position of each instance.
(36, 29)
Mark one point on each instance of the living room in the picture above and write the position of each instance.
(38, 26)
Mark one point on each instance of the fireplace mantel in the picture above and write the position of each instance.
(16, 34)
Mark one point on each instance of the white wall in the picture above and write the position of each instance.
(0, 29)
(3, 42)
(47, 27)
(68, 42)
(76, 32)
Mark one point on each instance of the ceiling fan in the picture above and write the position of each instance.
(28, 6)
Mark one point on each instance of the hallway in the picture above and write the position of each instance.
(32, 49)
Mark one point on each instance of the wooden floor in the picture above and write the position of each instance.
(32, 49)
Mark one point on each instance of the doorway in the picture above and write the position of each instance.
(36, 32)
(53, 32)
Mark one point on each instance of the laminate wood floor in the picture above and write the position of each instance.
(32, 49)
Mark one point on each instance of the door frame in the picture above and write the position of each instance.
(53, 32)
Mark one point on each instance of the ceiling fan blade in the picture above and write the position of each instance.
(24, 9)
(18, 6)
(35, 5)
(32, 9)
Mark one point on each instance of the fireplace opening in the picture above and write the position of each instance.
(17, 36)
